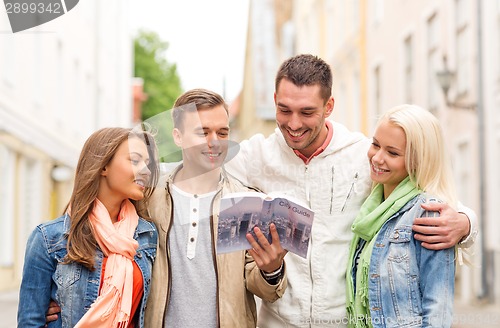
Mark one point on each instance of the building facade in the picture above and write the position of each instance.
(304, 27)
(384, 53)
(59, 82)
(270, 39)
(408, 44)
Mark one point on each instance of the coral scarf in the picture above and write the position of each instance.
(113, 305)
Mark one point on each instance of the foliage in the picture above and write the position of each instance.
(161, 84)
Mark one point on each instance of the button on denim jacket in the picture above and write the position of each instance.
(72, 286)
(409, 285)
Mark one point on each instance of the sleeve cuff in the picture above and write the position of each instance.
(274, 278)
(469, 240)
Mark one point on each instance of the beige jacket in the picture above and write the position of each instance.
(238, 277)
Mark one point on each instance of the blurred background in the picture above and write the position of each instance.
(118, 62)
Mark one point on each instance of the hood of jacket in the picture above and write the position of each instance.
(342, 138)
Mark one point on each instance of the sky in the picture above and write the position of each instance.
(206, 39)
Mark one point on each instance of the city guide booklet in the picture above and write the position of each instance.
(241, 212)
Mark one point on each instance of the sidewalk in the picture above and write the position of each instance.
(476, 315)
(8, 308)
(465, 315)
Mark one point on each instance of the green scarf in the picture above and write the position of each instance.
(374, 212)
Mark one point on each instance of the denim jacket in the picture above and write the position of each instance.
(409, 285)
(72, 286)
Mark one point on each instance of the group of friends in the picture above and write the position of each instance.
(136, 246)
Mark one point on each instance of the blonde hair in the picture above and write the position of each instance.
(427, 161)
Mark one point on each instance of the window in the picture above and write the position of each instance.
(378, 10)
(463, 45)
(341, 102)
(377, 90)
(288, 39)
(76, 97)
(356, 108)
(31, 193)
(265, 54)
(494, 224)
(462, 169)
(342, 27)
(60, 106)
(7, 173)
(498, 39)
(432, 62)
(9, 59)
(38, 66)
(408, 70)
(355, 13)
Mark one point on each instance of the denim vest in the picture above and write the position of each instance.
(72, 286)
(409, 285)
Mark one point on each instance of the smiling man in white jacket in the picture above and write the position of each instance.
(325, 165)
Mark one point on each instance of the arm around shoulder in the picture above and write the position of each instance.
(248, 154)
(469, 240)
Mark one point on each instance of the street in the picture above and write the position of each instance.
(466, 316)
(8, 308)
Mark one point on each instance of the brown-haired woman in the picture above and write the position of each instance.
(96, 260)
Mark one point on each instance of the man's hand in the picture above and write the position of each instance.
(268, 257)
(441, 232)
(52, 312)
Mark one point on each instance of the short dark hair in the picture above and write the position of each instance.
(202, 98)
(306, 69)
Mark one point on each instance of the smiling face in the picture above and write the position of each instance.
(127, 173)
(301, 114)
(387, 156)
(203, 139)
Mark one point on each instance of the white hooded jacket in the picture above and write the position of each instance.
(333, 184)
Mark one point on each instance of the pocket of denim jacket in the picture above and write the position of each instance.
(399, 242)
(400, 235)
(66, 274)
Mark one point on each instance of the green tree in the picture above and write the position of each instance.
(161, 80)
(162, 85)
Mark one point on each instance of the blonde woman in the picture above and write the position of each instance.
(96, 260)
(392, 281)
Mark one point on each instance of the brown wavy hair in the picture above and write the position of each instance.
(97, 152)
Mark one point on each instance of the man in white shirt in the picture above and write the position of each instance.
(325, 165)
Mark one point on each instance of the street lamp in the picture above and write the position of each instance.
(445, 79)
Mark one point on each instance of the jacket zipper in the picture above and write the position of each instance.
(350, 191)
(331, 190)
(308, 192)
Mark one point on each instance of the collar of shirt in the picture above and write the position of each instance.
(329, 136)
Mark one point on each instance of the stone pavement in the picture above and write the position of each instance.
(465, 315)
(8, 308)
(476, 315)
